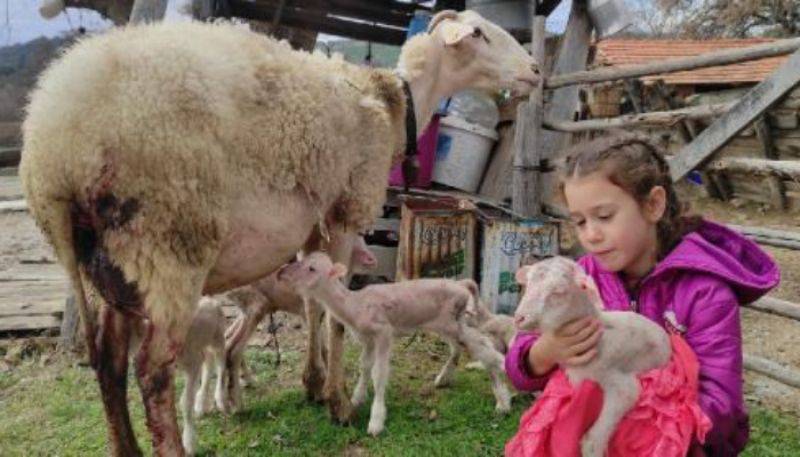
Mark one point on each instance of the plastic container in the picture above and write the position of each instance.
(462, 151)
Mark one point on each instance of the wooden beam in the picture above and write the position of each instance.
(789, 169)
(711, 59)
(526, 192)
(772, 369)
(776, 306)
(320, 22)
(748, 108)
(667, 118)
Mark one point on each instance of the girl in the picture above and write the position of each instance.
(646, 256)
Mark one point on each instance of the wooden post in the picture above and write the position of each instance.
(70, 340)
(749, 107)
(572, 56)
(776, 188)
(145, 11)
(526, 193)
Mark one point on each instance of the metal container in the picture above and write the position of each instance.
(437, 240)
(507, 245)
(462, 152)
(609, 16)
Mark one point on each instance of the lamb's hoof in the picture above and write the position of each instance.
(188, 444)
(475, 365)
(374, 429)
(502, 409)
(314, 382)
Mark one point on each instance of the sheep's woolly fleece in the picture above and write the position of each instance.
(185, 118)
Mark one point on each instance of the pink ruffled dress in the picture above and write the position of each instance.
(664, 422)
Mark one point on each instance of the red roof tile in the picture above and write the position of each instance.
(618, 52)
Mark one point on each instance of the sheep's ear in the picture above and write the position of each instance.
(441, 16)
(338, 271)
(522, 275)
(454, 32)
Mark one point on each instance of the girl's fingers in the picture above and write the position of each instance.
(582, 359)
(572, 328)
(584, 333)
(587, 343)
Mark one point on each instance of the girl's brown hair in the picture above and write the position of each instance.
(636, 164)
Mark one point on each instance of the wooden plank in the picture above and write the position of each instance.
(18, 323)
(496, 184)
(710, 59)
(749, 107)
(668, 118)
(9, 156)
(775, 185)
(526, 194)
(47, 307)
(13, 206)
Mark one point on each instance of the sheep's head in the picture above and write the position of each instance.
(476, 53)
(556, 291)
(312, 272)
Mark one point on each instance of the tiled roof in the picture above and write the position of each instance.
(618, 52)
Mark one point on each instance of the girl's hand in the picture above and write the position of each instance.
(573, 344)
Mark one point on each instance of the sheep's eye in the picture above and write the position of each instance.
(478, 33)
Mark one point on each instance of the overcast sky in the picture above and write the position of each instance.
(20, 21)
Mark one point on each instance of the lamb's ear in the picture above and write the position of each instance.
(441, 16)
(588, 285)
(522, 275)
(338, 271)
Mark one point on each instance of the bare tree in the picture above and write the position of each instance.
(735, 18)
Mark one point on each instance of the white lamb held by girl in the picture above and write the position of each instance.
(557, 291)
(379, 313)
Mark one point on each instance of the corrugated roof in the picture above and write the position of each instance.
(618, 52)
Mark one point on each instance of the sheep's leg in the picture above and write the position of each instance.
(481, 348)
(314, 372)
(445, 376)
(111, 348)
(619, 395)
(334, 389)
(380, 377)
(155, 370)
(367, 360)
(341, 250)
(187, 403)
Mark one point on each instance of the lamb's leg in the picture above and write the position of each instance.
(445, 377)
(201, 400)
(367, 360)
(480, 348)
(620, 393)
(219, 391)
(314, 372)
(380, 377)
(155, 370)
(187, 404)
(111, 348)
(235, 345)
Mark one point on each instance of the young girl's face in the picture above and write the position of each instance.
(612, 225)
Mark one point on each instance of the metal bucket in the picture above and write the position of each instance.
(462, 151)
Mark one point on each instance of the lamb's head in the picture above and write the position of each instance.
(313, 272)
(471, 52)
(556, 291)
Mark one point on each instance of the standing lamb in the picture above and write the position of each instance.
(203, 349)
(167, 161)
(557, 291)
(379, 313)
(266, 296)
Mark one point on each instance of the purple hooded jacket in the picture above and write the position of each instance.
(703, 281)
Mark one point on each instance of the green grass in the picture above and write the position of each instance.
(55, 410)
